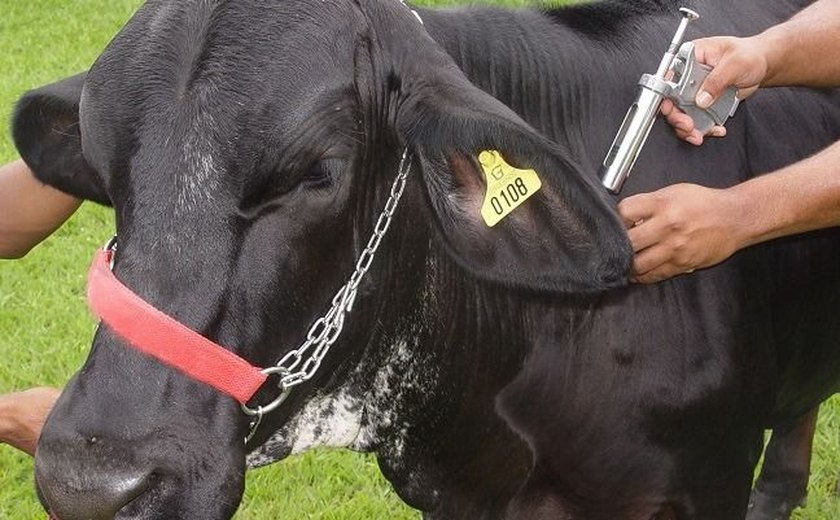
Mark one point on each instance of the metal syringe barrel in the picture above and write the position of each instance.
(640, 117)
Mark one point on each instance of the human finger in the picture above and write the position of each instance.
(659, 274)
(680, 120)
(644, 235)
(713, 86)
(717, 131)
(635, 209)
(709, 51)
(667, 107)
(662, 272)
(650, 259)
(744, 93)
(694, 137)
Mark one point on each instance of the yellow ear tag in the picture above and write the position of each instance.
(507, 187)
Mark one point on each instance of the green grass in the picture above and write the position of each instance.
(45, 329)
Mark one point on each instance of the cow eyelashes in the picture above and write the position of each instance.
(322, 173)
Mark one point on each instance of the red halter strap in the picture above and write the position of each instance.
(154, 333)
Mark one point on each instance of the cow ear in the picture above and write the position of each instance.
(46, 132)
(542, 224)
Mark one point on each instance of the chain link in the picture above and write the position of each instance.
(295, 367)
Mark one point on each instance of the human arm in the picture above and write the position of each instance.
(22, 415)
(29, 210)
(684, 227)
(802, 51)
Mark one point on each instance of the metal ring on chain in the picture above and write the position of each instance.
(270, 407)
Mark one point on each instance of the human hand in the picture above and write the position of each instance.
(738, 62)
(22, 416)
(681, 228)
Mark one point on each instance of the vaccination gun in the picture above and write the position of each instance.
(678, 78)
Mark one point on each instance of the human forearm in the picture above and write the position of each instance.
(13, 430)
(22, 416)
(8, 423)
(802, 197)
(805, 50)
(29, 210)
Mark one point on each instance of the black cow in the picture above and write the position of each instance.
(508, 372)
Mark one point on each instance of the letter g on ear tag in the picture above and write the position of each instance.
(507, 187)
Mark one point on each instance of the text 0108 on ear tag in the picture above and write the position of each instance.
(507, 187)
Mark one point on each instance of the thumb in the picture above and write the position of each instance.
(719, 53)
(723, 76)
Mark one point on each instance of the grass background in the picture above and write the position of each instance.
(45, 329)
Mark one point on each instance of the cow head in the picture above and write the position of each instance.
(247, 148)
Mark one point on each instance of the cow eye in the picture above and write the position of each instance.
(322, 173)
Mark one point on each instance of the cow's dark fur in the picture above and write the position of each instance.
(248, 146)
(782, 484)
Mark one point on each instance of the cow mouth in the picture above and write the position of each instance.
(141, 505)
(134, 502)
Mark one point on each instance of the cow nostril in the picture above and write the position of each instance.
(81, 495)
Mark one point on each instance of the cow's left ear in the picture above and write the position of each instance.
(46, 132)
(553, 229)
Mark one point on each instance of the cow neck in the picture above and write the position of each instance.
(147, 329)
(527, 56)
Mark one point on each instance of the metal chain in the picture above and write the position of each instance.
(297, 367)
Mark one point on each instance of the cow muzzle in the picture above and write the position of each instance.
(98, 488)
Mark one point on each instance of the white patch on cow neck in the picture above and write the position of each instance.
(391, 382)
(333, 421)
(343, 419)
